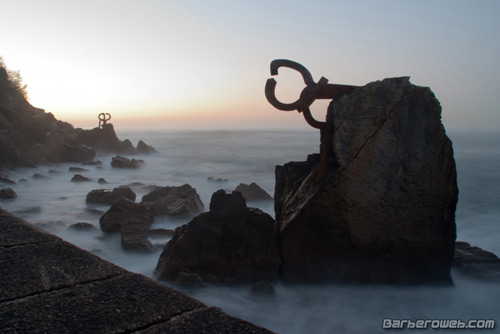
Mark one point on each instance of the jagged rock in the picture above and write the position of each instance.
(143, 148)
(80, 178)
(122, 162)
(7, 193)
(476, 263)
(253, 192)
(103, 181)
(77, 169)
(232, 243)
(108, 196)
(174, 200)
(104, 138)
(82, 226)
(124, 210)
(378, 204)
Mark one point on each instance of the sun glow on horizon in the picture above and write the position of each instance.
(195, 62)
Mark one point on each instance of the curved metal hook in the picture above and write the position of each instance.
(271, 83)
(103, 119)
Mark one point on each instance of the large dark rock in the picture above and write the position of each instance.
(123, 210)
(133, 221)
(475, 262)
(108, 196)
(378, 204)
(253, 192)
(105, 138)
(231, 243)
(183, 200)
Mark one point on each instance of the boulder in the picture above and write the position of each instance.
(4, 179)
(183, 200)
(474, 262)
(378, 203)
(39, 176)
(75, 152)
(80, 178)
(108, 196)
(231, 243)
(253, 192)
(82, 226)
(124, 210)
(143, 148)
(123, 162)
(103, 181)
(134, 235)
(104, 139)
(7, 193)
(77, 169)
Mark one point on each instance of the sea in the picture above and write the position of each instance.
(196, 157)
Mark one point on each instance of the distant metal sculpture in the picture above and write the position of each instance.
(103, 119)
(312, 91)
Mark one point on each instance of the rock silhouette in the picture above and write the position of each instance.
(231, 244)
(378, 203)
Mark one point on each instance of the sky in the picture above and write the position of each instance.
(204, 64)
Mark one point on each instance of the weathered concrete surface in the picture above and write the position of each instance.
(51, 286)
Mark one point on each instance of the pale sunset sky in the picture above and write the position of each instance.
(202, 63)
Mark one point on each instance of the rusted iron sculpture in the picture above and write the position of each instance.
(320, 90)
(103, 119)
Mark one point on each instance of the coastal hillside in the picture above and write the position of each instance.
(30, 136)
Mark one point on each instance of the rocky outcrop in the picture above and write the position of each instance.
(378, 203)
(143, 148)
(132, 220)
(173, 201)
(230, 244)
(476, 263)
(253, 192)
(123, 162)
(7, 193)
(108, 196)
(30, 136)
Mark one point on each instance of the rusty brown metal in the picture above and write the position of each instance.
(313, 91)
(103, 119)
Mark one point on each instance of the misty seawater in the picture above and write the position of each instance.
(250, 156)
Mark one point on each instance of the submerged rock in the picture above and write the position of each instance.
(378, 204)
(475, 262)
(123, 162)
(80, 178)
(108, 196)
(253, 192)
(7, 193)
(183, 200)
(231, 243)
(82, 226)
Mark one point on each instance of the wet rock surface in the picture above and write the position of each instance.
(476, 263)
(108, 196)
(123, 210)
(230, 243)
(143, 148)
(174, 201)
(80, 178)
(378, 204)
